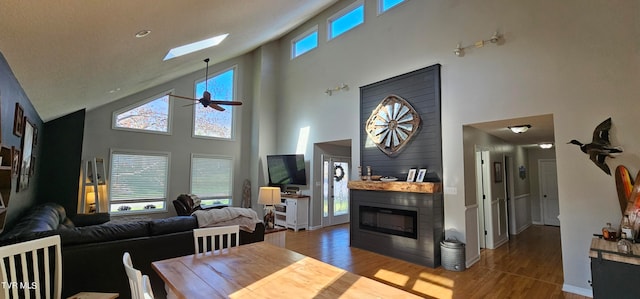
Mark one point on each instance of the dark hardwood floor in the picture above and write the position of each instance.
(529, 266)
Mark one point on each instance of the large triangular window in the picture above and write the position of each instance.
(151, 115)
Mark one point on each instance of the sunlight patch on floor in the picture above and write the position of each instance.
(434, 286)
(392, 277)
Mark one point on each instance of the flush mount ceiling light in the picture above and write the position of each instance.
(519, 129)
(546, 145)
(197, 46)
(142, 33)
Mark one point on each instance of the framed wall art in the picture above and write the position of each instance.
(15, 163)
(18, 120)
(497, 172)
(25, 161)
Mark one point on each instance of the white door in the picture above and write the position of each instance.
(335, 194)
(549, 191)
(483, 193)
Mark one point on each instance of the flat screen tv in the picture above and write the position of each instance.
(286, 170)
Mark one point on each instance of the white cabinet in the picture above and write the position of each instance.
(293, 212)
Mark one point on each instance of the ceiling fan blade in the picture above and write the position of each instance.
(190, 104)
(181, 97)
(215, 106)
(230, 103)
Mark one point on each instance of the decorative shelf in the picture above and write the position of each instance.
(411, 187)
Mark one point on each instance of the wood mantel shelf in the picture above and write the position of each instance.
(412, 187)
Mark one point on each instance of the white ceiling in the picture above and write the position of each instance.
(71, 54)
(541, 130)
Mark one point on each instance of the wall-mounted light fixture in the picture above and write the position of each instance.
(546, 145)
(519, 129)
(342, 86)
(494, 39)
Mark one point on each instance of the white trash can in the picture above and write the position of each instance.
(452, 255)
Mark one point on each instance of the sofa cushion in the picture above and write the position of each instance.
(172, 225)
(45, 217)
(104, 232)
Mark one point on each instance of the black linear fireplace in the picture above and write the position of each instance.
(399, 222)
(403, 225)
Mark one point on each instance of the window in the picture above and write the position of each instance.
(305, 42)
(138, 181)
(207, 121)
(346, 19)
(212, 179)
(151, 115)
(384, 5)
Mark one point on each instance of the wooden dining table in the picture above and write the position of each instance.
(262, 270)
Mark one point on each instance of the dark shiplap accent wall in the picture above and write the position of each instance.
(62, 160)
(421, 88)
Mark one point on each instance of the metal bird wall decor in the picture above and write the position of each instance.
(600, 148)
(206, 96)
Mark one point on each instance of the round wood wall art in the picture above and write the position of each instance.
(392, 124)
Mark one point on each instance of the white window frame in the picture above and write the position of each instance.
(233, 115)
(302, 36)
(141, 103)
(343, 12)
(218, 157)
(380, 3)
(166, 191)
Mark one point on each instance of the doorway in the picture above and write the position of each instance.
(335, 193)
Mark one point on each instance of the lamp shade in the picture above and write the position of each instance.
(269, 195)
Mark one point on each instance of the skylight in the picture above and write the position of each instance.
(197, 46)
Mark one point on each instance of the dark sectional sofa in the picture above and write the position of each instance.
(92, 246)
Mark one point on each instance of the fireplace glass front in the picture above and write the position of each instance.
(389, 221)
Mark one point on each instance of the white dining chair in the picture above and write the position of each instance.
(207, 238)
(139, 284)
(32, 268)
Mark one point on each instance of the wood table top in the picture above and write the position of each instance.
(262, 270)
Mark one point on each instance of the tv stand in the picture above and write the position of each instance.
(293, 212)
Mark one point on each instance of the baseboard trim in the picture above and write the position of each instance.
(471, 262)
(577, 290)
(314, 227)
(523, 228)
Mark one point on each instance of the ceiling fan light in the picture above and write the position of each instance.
(193, 47)
(519, 129)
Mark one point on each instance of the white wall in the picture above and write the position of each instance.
(575, 59)
(99, 138)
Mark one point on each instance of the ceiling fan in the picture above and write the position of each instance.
(206, 100)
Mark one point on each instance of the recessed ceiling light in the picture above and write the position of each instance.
(142, 33)
(519, 129)
(546, 145)
(197, 46)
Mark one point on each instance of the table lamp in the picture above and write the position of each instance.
(91, 201)
(269, 196)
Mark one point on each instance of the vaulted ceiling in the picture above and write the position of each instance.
(74, 54)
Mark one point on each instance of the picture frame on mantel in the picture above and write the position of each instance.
(497, 172)
(411, 175)
(421, 174)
